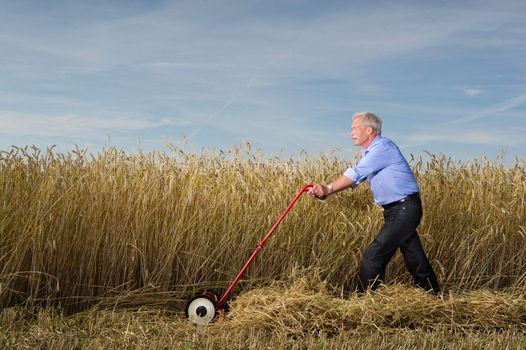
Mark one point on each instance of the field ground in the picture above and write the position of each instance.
(301, 315)
(156, 330)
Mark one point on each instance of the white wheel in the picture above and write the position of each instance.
(201, 310)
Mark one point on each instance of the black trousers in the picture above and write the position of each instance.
(398, 231)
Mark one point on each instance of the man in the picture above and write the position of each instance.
(394, 188)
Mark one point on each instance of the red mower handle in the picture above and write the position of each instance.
(223, 299)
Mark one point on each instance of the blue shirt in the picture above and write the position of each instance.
(387, 171)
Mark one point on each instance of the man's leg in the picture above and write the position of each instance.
(400, 222)
(418, 264)
(374, 261)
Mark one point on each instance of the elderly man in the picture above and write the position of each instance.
(394, 188)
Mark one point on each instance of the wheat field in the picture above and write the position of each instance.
(97, 242)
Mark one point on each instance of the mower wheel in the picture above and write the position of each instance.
(202, 308)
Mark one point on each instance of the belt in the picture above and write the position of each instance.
(405, 199)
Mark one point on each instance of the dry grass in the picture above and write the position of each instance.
(122, 230)
(306, 307)
(300, 315)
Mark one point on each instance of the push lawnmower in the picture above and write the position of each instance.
(204, 307)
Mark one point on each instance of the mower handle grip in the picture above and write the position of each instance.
(307, 187)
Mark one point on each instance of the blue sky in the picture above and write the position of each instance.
(445, 76)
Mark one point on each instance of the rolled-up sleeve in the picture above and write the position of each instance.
(354, 176)
(351, 174)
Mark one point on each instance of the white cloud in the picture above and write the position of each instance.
(496, 137)
(473, 91)
(192, 36)
(463, 131)
(493, 110)
(224, 66)
(71, 125)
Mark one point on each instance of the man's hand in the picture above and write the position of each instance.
(318, 191)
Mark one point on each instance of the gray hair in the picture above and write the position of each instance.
(371, 120)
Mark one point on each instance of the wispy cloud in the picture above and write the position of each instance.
(492, 111)
(473, 91)
(240, 68)
(503, 137)
(71, 125)
(224, 108)
(189, 34)
(462, 130)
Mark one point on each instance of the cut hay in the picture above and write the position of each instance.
(306, 308)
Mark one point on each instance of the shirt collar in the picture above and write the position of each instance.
(373, 142)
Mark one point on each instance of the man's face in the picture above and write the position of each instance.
(360, 133)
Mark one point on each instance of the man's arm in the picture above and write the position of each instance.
(374, 160)
(340, 184)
